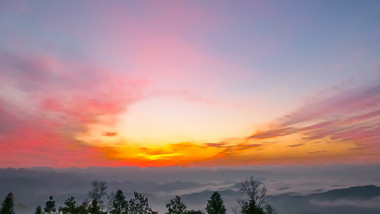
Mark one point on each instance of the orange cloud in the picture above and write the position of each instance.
(349, 136)
(109, 134)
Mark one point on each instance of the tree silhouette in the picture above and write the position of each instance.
(176, 206)
(139, 205)
(70, 206)
(95, 208)
(50, 206)
(83, 208)
(256, 203)
(194, 212)
(250, 207)
(215, 205)
(97, 192)
(119, 203)
(270, 209)
(8, 204)
(38, 210)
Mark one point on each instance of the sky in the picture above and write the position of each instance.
(189, 83)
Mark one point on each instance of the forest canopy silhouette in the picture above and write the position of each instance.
(100, 201)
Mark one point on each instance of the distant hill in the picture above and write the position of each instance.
(352, 200)
(359, 192)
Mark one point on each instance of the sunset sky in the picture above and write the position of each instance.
(189, 83)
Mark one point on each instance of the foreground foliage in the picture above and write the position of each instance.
(215, 205)
(8, 204)
(100, 202)
(256, 203)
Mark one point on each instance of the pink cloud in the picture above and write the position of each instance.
(352, 116)
(45, 102)
(272, 133)
(345, 104)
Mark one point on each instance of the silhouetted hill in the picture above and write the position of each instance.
(358, 192)
(352, 200)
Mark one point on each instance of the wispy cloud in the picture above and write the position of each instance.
(351, 117)
(44, 103)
